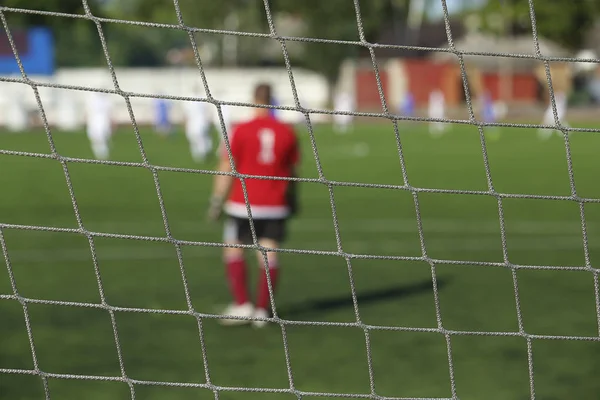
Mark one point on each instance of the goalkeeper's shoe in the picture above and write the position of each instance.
(245, 310)
(262, 314)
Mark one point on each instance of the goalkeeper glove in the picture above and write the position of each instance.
(215, 207)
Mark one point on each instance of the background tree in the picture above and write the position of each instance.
(335, 19)
(70, 34)
(564, 22)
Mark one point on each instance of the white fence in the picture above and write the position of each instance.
(66, 108)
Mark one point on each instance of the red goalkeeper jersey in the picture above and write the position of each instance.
(266, 147)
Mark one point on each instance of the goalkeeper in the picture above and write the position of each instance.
(266, 147)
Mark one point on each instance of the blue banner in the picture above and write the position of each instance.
(35, 47)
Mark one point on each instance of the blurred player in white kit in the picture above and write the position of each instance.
(99, 123)
(16, 115)
(343, 102)
(197, 128)
(437, 109)
(560, 99)
(561, 75)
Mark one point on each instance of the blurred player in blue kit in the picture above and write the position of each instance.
(162, 117)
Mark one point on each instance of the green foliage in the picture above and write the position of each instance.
(337, 20)
(562, 21)
(148, 46)
(333, 19)
(82, 34)
(69, 33)
(62, 6)
(78, 43)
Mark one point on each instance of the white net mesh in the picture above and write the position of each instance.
(386, 114)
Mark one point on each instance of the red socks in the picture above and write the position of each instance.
(238, 283)
(262, 296)
(237, 276)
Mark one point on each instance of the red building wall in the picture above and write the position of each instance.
(524, 87)
(367, 92)
(424, 76)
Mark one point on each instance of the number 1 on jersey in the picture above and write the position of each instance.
(267, 146)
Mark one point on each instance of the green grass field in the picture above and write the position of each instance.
(156, 347)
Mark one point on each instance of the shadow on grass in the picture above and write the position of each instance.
(363, 298)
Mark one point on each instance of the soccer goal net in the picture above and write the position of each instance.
(554, 81)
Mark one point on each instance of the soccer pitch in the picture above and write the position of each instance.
(372, 221)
